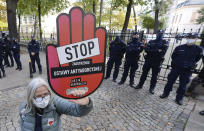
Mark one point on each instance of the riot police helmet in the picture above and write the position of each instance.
(117, 39)
(160, 33)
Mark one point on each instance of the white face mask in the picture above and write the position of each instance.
(191, 41)
(41, 102)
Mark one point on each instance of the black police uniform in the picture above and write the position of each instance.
(7, 50)
(117, 50)
(155, 49)
(184, 59)
(34, 47)
(16, 54)
(133, 50)
(1, 59)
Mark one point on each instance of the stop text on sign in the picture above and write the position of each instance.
(78, 51)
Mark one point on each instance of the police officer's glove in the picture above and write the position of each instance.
(32, 53)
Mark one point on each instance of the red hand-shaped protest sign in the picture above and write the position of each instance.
(80, 42)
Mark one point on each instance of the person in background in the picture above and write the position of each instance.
(155, 49)
(42, 109)
(34, 49)
(15, 46)
(1, 59)
(8, 54)
(133, 50)
(184, 59)
(117, 50)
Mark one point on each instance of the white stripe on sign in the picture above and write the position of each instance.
(78, 51)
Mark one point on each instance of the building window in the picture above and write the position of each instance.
(25, 20)
(173, 20)
(180, 18)
(194, 17)
(176, 19)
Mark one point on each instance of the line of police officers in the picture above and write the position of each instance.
(184, 59)
(10, 49)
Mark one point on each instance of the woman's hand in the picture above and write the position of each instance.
(82, 101)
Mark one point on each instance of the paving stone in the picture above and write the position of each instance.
(116, 108)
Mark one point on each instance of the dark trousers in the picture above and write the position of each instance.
(1, 66)
(184, 77)
(17, 59)
(132, 67)
(110, 64)
(36, 59)
(155, 71)
(8, 54)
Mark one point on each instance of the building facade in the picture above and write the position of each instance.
(183, 16)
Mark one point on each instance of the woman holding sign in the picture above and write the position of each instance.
(42, 110)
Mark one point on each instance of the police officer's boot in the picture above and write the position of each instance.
(0, 74)
(151, 90)
(114, 80)
(106, 77)
(20, 68)
(131, 84)
(40, 72)
(4, 74)
(121, 82)
(138, 87)
(164, 95)
(17, 68)
(179, 100)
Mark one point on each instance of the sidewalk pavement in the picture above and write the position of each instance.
(196, 121)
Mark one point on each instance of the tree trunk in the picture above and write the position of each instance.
(19, 27)
(94, 7)
(156, 24)
(39, 19)
(101, 8)
(11, 17)
(34, 26)
(147, 30)
(135, 18)
(127, 16)
(110, 19)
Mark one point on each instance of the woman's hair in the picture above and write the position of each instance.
(31, 88)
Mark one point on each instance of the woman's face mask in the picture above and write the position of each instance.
(41, 102)
(191, 41)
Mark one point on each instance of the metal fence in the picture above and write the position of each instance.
(174, 39)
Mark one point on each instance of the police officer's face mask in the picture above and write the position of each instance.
(191, 41)
(41, 102)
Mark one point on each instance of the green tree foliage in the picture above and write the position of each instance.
(128, 4)
(40, 8)
(148, 22)
(201, 17)
(88, 5)
(160, 8)
(3, 14)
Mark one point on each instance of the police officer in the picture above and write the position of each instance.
(155, 50)
(133, 50)
(16, 53)
(33, 49)
(1, 59)
(8, 54)
(117, 50)
(184, 59)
